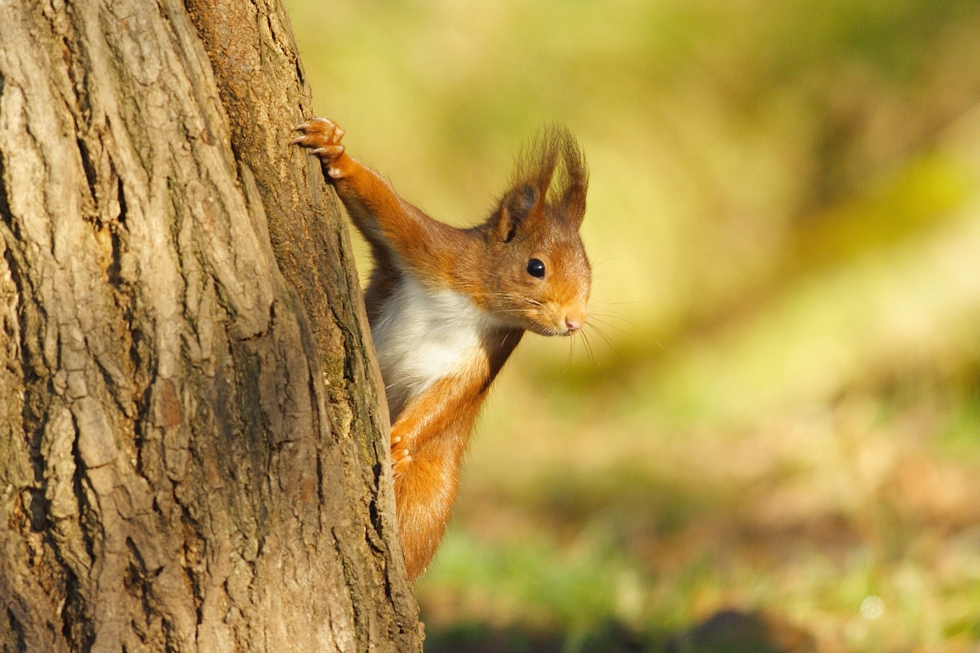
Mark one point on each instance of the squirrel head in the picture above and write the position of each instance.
(537, 276)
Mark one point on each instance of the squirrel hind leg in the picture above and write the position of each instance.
(424, 496)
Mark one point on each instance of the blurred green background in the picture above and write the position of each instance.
(769, 438)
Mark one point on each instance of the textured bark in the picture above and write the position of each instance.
(192, 453)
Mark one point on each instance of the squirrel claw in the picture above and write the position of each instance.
(400, 458)
(322, 137)
(329, 151)
(399, 467)
(399, 454)
(322, 126)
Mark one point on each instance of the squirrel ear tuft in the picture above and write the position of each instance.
(551, 178)
(517, 206)
(555, 165)
(574, 181)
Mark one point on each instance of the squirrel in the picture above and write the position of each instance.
(447, 306)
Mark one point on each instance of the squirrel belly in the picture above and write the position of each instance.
(447, 306)
(423, 334)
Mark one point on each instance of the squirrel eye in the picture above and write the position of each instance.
(535, 268)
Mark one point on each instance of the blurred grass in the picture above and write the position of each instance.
(781, 414)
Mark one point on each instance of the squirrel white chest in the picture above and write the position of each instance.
(424, 335)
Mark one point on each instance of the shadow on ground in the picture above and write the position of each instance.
(726, 632)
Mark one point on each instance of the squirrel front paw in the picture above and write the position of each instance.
(323, 136)
(400, 458)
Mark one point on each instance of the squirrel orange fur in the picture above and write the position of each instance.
(447, 306)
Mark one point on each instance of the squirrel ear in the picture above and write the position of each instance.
(572, 204)
(516, 208)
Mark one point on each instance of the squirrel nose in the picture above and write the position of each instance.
(574, 321)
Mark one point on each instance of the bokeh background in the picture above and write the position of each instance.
(769, 437)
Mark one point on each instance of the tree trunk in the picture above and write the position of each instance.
(193, 446)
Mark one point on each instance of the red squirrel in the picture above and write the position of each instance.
(447, 306)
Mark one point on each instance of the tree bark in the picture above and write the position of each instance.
(193, 445)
